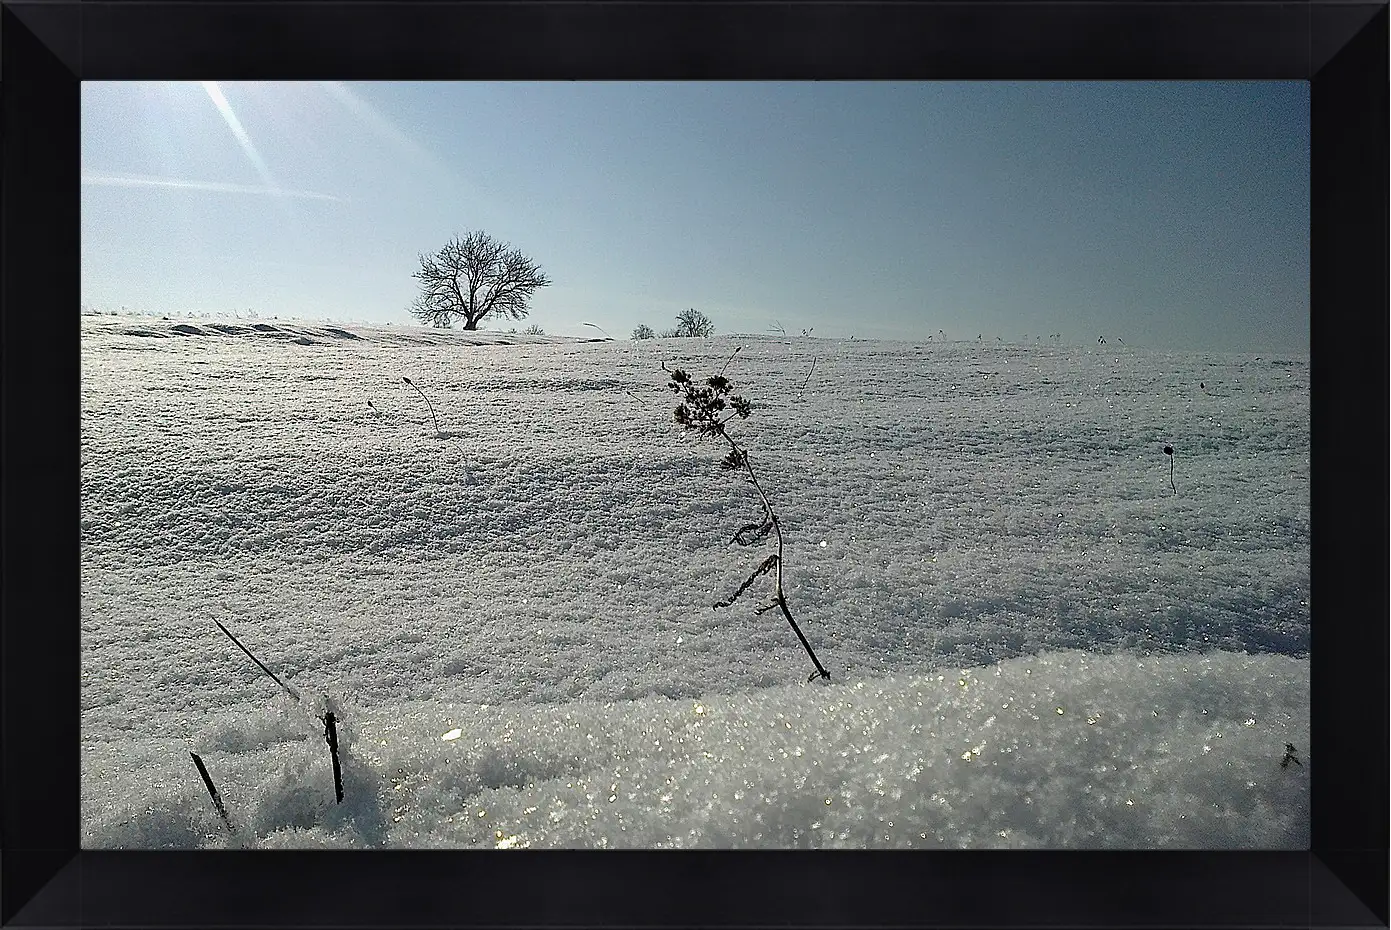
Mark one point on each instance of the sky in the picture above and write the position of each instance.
(1170, 215)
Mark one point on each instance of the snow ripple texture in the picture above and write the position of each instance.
(1034, 640)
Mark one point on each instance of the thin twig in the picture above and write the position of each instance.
(731, 358)
(291, 691)
(762, 568)
(808, 378)
(427, 403)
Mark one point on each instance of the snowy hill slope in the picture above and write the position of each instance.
(1001, 515)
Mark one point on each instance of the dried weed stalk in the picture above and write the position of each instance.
(705, 408)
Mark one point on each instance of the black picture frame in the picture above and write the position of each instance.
(46, 48)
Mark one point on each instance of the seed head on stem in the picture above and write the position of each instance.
(427, 403)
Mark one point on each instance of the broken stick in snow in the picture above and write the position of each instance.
(331, 737)
(212, 790)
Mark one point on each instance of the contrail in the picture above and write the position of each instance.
(120, 180)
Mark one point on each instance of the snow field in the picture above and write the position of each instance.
(538, 575)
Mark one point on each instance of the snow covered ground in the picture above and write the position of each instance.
(1033, 641)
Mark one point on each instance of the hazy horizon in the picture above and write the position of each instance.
(1169, 215)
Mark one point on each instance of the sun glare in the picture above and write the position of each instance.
(243, 139)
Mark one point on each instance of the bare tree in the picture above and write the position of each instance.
(474, 277)
(693, 323)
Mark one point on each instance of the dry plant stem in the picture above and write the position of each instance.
(731, 358)
(780, 598)
(427, 402)
(288, 690)
(331, 737)
(212, 790)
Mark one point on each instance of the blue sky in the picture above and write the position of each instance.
(1169, 215)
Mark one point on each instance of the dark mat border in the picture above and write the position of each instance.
(46, 48)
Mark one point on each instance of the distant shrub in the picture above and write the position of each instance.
(533, 330)
(705, 408)
(643, 331)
